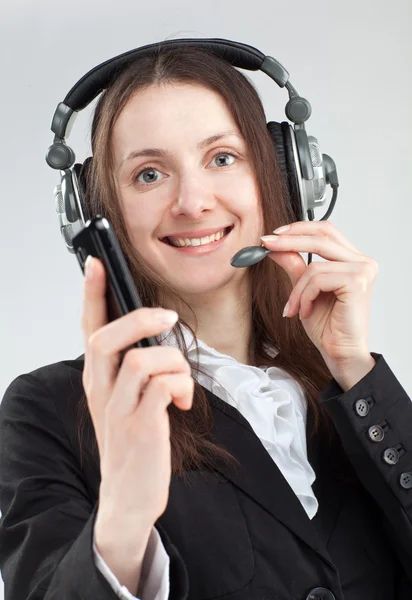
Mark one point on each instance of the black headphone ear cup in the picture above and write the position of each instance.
(281, 136)
(82, 171)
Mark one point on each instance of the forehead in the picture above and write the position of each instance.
(163, 109)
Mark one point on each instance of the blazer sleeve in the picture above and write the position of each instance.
(47, 521)
(154, 579)
(374, 422)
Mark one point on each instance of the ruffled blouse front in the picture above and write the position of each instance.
(271, 401)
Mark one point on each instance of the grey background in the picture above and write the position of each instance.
(352, 60)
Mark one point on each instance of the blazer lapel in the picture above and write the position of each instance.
(259, 476)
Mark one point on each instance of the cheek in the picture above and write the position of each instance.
(139, 220)
(246, 195)
(249, 207)
(140, 230)
(239, 188)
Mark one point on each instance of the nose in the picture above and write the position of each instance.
(192, 196)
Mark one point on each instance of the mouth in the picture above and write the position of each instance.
(216, 243)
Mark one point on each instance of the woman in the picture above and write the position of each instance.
(237, 459)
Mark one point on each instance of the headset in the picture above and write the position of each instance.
(306, 171)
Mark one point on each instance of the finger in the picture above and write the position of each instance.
(326, 228)
(340, 284)
(161, 391)
(316, 269)
(139, 368)
(105, 344)
(316, 244)
(94, 309)
(128, 329)
(94, 317)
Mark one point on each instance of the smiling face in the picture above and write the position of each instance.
(189, 173)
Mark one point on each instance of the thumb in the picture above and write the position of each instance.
(291, 262)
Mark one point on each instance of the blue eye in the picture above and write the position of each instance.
(150, 177)
(150, 171)
(221, 154)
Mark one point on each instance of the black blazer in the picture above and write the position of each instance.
(241, 536)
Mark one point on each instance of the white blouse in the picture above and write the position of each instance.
(275, 406)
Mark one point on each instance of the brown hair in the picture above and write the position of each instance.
(190, 430)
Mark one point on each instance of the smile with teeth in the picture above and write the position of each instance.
(179, 242)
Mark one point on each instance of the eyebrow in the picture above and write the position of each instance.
(162, 153)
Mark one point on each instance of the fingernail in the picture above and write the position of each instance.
(168, 317)
(88, 267)
(281, 229)
(269, 238)
(285, 310)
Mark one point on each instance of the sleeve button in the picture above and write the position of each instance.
(320, 593)
(376, 433)
(362, 407)
(391, 456)
(406, 480)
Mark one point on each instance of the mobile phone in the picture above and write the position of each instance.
(99, 240)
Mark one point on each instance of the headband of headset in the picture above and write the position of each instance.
(60, 156)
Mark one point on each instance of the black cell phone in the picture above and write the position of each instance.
(99, 240)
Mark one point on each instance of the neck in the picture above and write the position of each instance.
(227, 329)
(224, 321)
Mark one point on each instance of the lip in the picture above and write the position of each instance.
(201, 249)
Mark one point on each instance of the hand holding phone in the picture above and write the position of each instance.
(128, 405)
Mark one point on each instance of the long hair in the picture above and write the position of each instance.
(190, 431)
